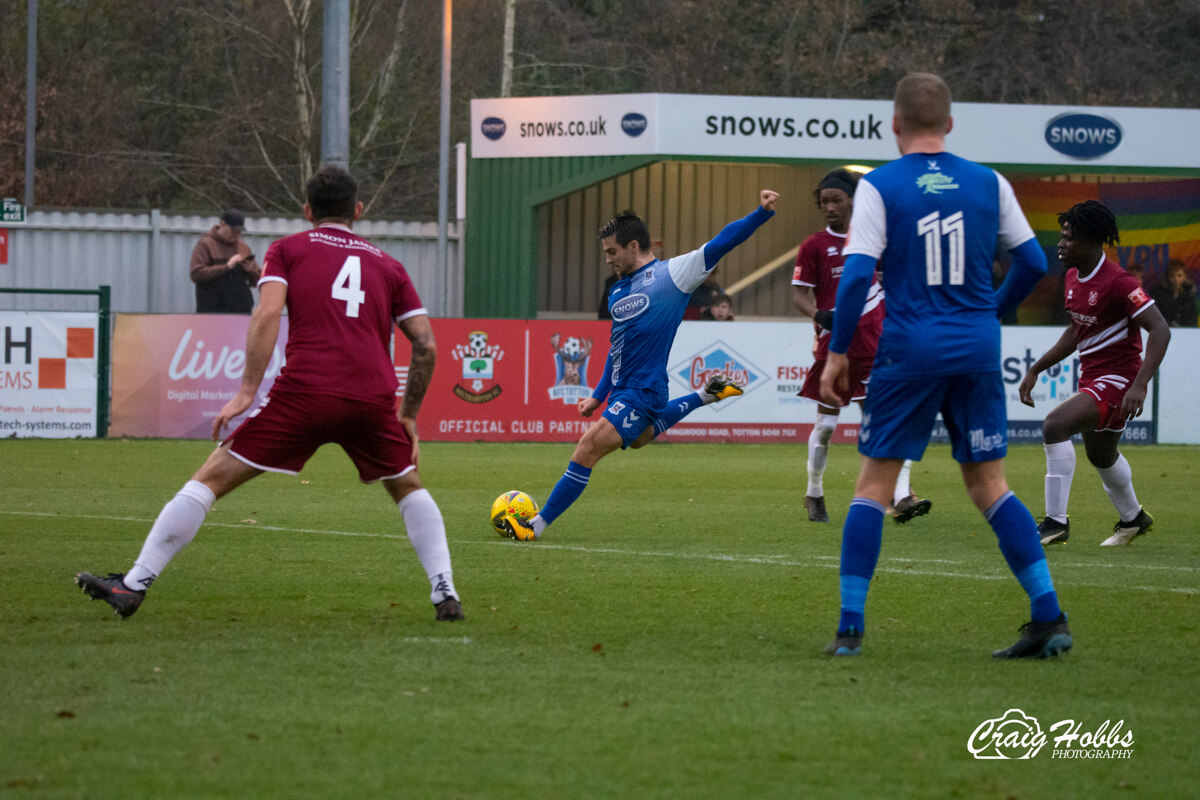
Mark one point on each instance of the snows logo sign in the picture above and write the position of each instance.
(1017, 736)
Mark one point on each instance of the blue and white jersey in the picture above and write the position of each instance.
(647, 306)
(932, 221)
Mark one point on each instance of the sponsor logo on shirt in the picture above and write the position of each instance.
(935, 183)
(493, 128)
(1083, 136)
(629, 307)
(571, 356)
(1138, 296)
(478, 364)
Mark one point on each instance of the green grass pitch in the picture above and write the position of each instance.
(662, 640)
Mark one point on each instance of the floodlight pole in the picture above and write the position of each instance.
(335, 85)
(31, 9)
(443, 263)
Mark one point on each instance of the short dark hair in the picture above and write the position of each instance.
(722, 298)
(332, 193)
(627, 227)
(1091, 221)
(923, 103)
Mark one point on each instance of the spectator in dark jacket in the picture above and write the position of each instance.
(1176, 297)
(223, 268)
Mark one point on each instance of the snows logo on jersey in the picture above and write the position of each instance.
(478, 361)
(570, 368)
(718, 359)
(629, 307)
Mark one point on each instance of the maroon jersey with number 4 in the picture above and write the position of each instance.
(1102, 307)
(819, 265)
(344, 296)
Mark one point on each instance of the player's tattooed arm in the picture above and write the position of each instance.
(420, 367)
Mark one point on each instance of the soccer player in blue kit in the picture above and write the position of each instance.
(931, 221)
(647, 304)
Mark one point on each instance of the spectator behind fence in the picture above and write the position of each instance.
(1176, 297)
(721, 309)
(223, 268)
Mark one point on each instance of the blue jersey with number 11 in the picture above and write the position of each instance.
(933, 221)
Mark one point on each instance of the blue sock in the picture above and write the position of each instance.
(566, 491)
(677, 409)
(862, 538)
(1018, 537)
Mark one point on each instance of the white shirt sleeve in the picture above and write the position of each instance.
(687, 271)
(1014, 228)
(868, 222)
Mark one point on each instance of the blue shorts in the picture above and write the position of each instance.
(631, 412)
(898, 416)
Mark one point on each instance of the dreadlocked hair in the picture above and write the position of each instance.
(1091, 221)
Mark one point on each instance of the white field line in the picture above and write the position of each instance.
(827, 562)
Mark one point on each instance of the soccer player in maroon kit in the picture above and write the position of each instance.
(1108, 309)
(814, 292)
(343, 296)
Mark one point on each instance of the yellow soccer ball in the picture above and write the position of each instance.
(519, 505)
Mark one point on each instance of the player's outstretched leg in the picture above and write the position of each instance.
(716, 390)
(1118, 485)
(906, 504)
(1055, 527)
(112, 590)
(1046, 634)
(818, 456)
(172, 531)
(862, 538)
(568, 489)
(427, 533)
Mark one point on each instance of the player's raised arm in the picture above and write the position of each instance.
(740, 230)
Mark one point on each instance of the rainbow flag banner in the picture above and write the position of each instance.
(1159, 222)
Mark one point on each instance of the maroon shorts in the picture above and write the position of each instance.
(283, 433)
(860, 374)
(1108, 392)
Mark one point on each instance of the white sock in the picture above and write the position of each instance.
(427, 532)
(1060, 469)
(538, 524)
(903, 487)
(818, 453)
(1118, 483)
(175, 527)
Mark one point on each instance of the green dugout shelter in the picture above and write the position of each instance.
(545, 173)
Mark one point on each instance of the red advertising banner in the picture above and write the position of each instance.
(511, 380)
(496, 380)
